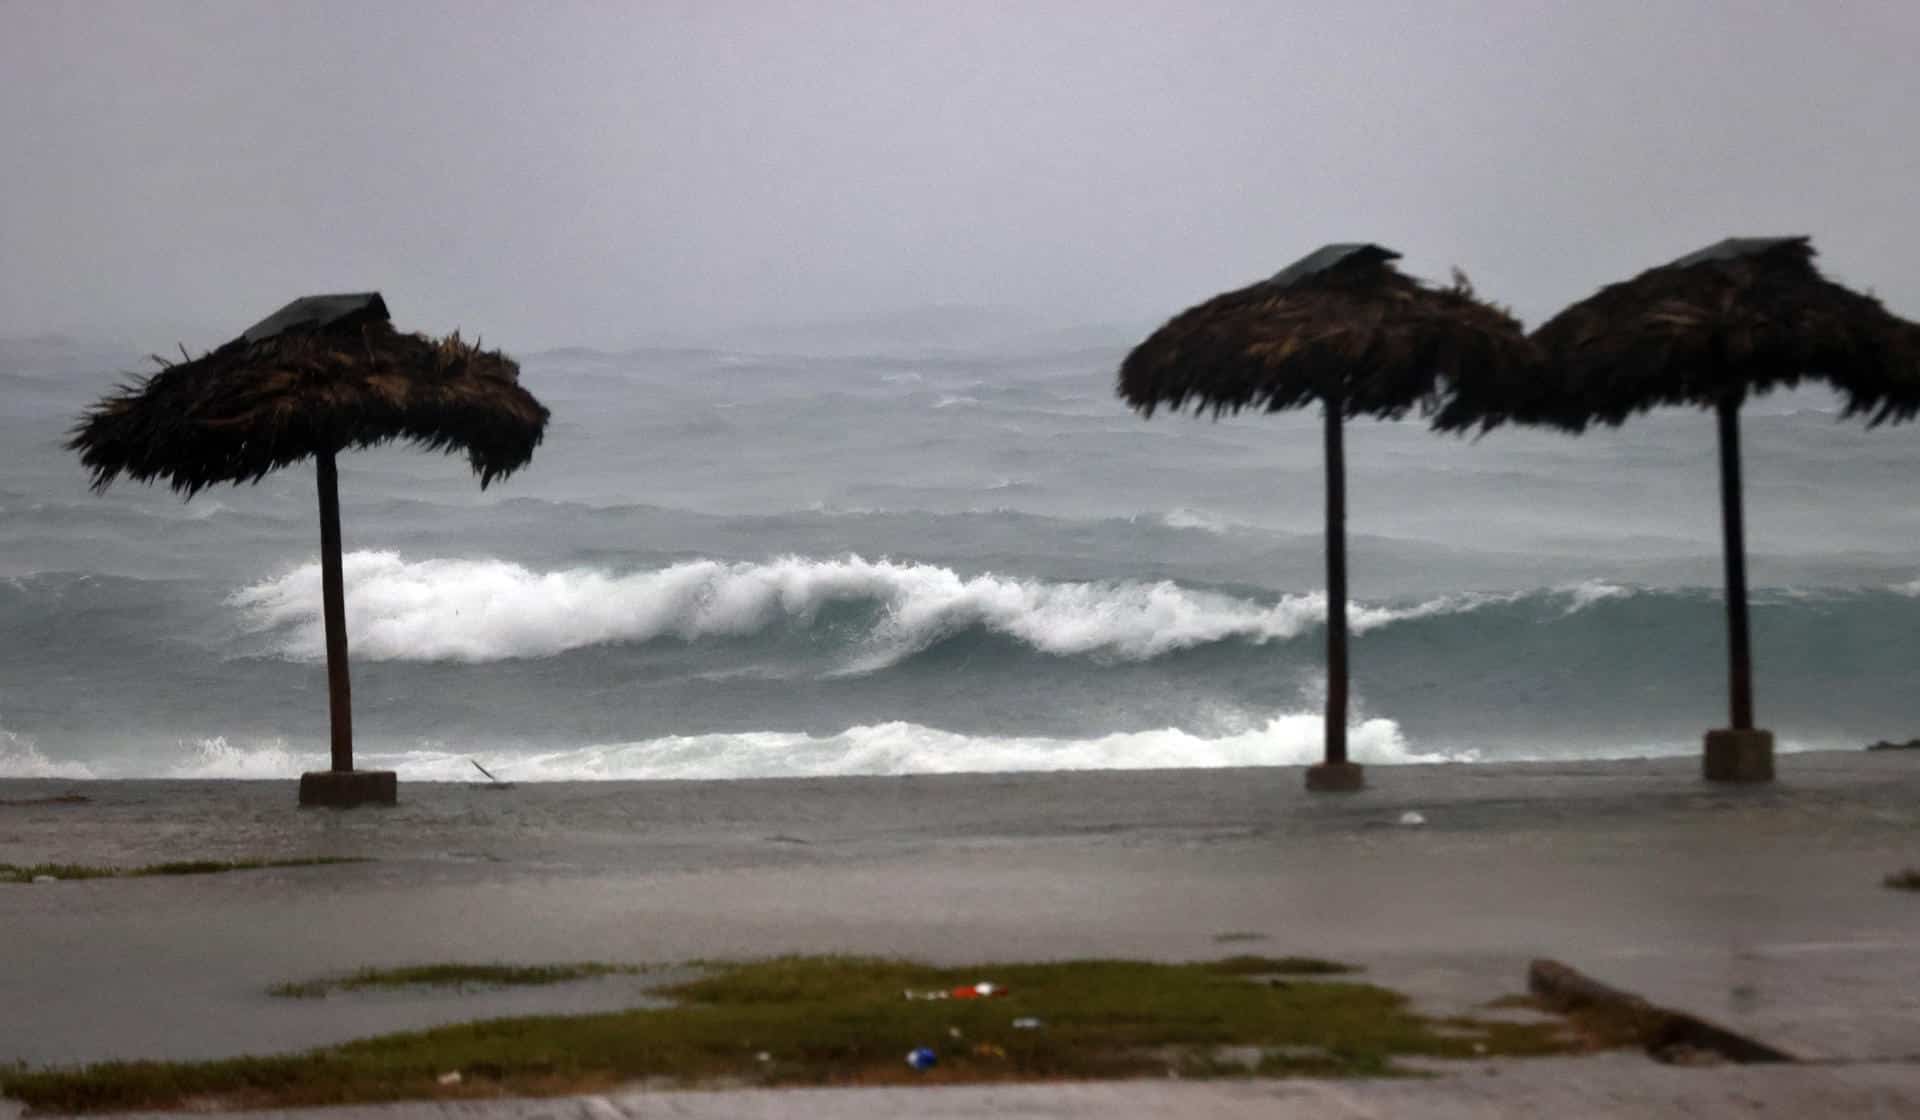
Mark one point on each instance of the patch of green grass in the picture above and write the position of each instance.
(844, 1020)
(451, 976)
(1280, 966)
(1907, 879)
(27, 873)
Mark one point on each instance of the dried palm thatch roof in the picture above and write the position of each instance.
(323, 374)
(1741, 317)
(1340, 324)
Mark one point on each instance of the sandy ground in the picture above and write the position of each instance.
(1760, 908)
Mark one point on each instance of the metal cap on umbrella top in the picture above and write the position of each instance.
(314, 312)
(1344, 328)
(321, 375)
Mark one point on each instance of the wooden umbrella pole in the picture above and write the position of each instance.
(1739, 649)
(334, 613)
(1336, 721)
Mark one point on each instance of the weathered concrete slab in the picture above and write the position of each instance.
(1336, 777)
(347, 789)
(1608, 1088)
(1738, 756)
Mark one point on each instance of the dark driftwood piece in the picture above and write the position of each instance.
(1737, 319)
(1344, 328)
(1669, 1036)
(321, 375)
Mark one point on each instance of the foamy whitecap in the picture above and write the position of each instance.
(1292, 739)
(217, 758)
(1909, 589)
(1362, 618)
(21, 758)
(1184, 518)
(1589, 592)
(489, 610)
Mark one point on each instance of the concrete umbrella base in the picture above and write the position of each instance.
(1738, 756)
(1335, 777)
(344, 789)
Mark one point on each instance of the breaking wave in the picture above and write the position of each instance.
(21, 758)
(491, 610)
(879, 749)
(1185, 518)
(1589, 592)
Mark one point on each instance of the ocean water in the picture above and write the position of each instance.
(845, 550)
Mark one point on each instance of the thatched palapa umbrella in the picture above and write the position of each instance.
(320, 375)
(1343, 327)
(1736, 319)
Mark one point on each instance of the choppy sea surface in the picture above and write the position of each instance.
(842, 551)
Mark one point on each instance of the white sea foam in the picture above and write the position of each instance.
(1589, 592)
(1184, 518)
(887, 748)
(21, 758)
(906, 748)
(217, 758)
(1362, 618)
(489, 610)
(1292, 739)
(1912, 589)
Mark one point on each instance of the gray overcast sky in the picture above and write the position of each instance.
(554, 173)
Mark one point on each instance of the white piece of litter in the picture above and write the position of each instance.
(450, 1078)
(1412, 817)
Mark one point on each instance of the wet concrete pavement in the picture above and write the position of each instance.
(1602, 1088)
(1758, 908)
